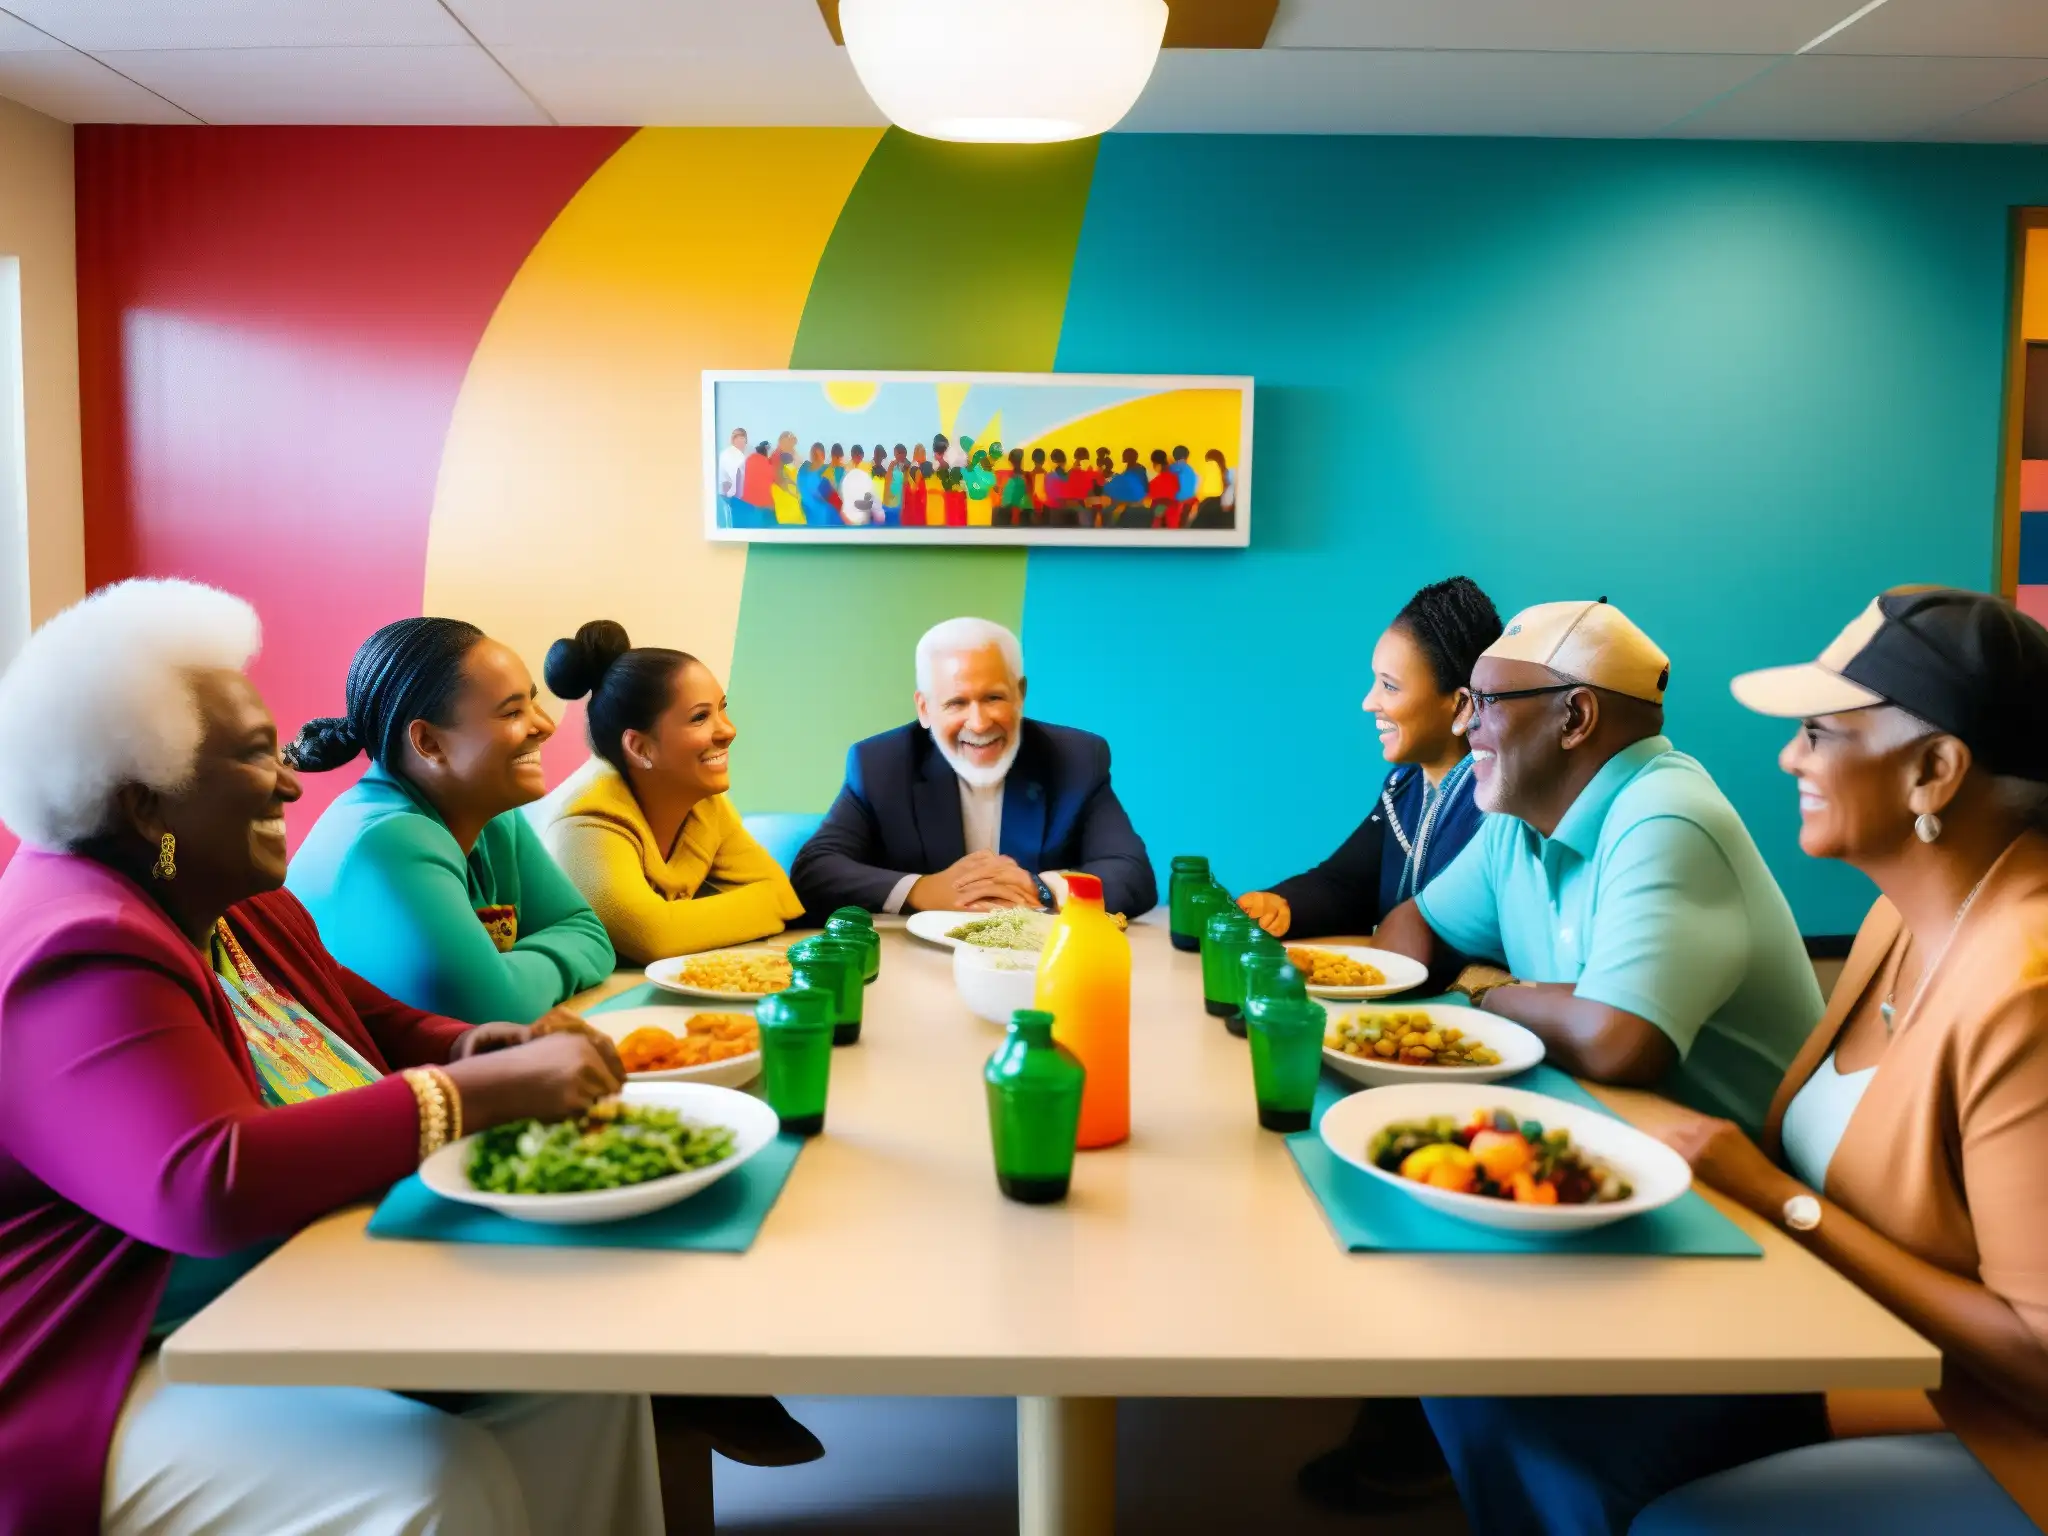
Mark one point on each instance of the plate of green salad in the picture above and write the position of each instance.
(653, 1145)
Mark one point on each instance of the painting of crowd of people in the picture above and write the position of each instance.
(783, 480)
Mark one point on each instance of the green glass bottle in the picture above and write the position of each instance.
(1268, 974)
(1260, 950)
(1228, 932)
(836, 966)
(1190, 874)
(1201, 903)
(1034, 1109)
(796, 1055)
(847, 931)
(1287, 1060)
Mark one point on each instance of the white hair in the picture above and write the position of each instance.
(101, 696)
(966, 635)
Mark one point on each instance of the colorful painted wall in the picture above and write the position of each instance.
(355, 373)
(2032, 591)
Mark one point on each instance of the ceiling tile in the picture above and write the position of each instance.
(1836, 96)
(765, 26)
(18, 36)
(1571, 95)
(76, 89)
(105, 26)
(1587, 26)
(333, 85)
(740, 87)
(1975, 29)
(2021, 118)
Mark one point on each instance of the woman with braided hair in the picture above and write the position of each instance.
(1425, 812)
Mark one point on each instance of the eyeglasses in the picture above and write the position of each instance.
(1472, 705)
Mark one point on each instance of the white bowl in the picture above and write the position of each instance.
(752, 1122)
(995, 983)
(1519, 1049)
(733, 1072)
(1658, 1174)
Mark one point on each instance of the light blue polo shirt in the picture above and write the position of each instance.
(1650, 897)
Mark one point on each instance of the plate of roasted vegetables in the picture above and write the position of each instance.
(661, 1044)
(1505, 1157)
(1418, 1042)
(653, 1145)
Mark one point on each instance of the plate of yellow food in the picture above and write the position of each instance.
(1505, 1157)
(724, 975)
(1347, 972)
(672, 1045)
(1422, 1042)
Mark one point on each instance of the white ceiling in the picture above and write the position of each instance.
(1910, 69)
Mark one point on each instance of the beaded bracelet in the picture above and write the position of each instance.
(454, 1101)
(433, 1108)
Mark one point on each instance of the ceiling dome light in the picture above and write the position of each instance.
(1003, 71)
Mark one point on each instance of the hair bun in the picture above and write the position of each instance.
(323, 744)
(576, 666)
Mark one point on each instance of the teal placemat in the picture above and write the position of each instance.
(724, 1219)
(1369, 1217)
(648, 995)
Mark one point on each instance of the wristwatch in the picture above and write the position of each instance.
(1480, 993)
(1801, 1213)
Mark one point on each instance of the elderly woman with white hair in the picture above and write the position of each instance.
(187, 1077)
(972, 806)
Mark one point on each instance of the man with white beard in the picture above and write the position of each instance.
(973, 807)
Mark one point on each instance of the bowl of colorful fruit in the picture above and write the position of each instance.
(1505, 1157)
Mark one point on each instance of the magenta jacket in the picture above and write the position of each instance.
(132, 1128)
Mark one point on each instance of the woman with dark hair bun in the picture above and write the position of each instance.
(424, 877)
(644, 828)
(1425, 812)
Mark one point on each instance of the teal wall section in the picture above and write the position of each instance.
(1735, 388)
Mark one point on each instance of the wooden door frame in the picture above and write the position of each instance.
(2006, 549)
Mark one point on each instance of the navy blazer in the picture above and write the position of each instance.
(1358, 885)
(899, 814)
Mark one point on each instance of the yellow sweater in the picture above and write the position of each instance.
(719, 887)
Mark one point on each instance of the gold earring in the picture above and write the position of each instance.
(166, 858)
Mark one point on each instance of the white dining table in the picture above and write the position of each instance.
(1190, 1261)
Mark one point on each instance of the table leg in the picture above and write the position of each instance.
(1066, 1466)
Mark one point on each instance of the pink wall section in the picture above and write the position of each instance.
(274, 325)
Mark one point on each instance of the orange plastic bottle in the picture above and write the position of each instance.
(1084, 982)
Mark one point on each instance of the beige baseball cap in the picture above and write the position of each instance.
(1588, 642)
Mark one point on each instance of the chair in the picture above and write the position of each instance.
(782, 833)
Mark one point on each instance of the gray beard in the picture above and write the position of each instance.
(974, 775)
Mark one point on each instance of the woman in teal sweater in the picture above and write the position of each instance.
(424, 878)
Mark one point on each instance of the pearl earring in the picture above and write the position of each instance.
(1927, 826)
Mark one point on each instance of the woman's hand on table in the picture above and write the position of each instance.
(552, 1076)
(1723, 1158)
(1270, 912)
(497, 1037)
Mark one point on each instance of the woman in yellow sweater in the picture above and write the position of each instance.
(644, 829)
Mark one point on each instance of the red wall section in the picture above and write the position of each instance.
(273, 327)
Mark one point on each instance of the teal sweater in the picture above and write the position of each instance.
(399, 905)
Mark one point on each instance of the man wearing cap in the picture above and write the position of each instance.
(1646, 942)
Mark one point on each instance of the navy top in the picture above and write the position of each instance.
(1407, 841)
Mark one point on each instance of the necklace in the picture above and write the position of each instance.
(1884, 1009)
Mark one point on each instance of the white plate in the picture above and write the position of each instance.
(752, 1122)
(1658, 1174)
(733, 1072)
(1403, 974)
(1519, 1049)
(664, 974)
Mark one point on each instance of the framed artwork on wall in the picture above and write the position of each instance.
(873, 459)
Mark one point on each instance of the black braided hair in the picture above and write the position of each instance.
(407, 671)
(1453, 621)
(629, 685)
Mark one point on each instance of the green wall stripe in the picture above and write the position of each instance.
(945, 256)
